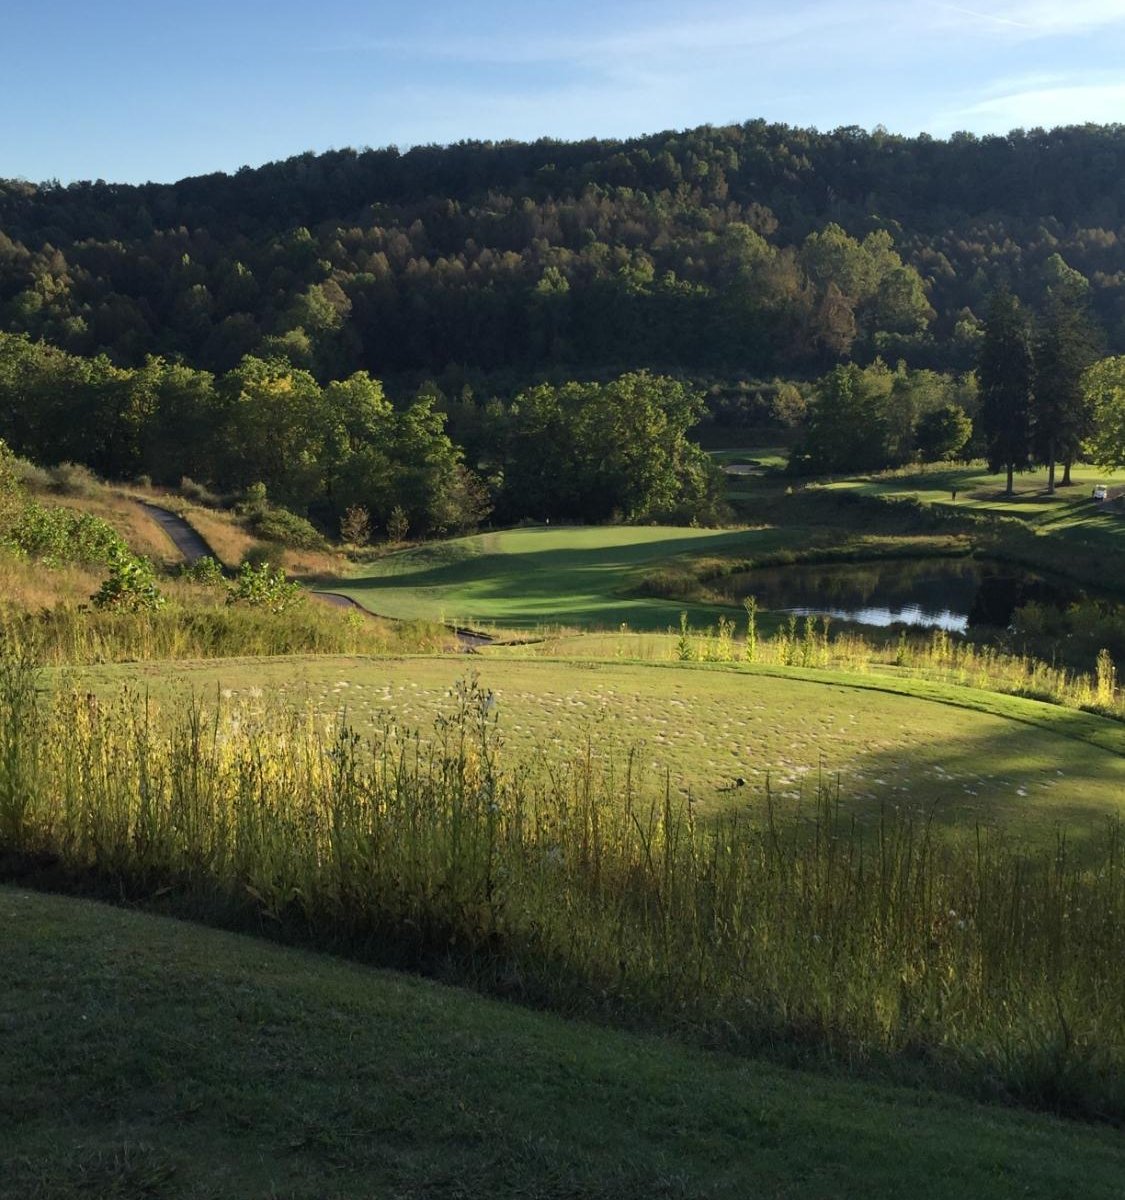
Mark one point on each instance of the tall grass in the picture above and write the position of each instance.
(810, 642)
(71, 634)
(567, 884)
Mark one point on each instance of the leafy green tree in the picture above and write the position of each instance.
(1103, 385)
(592, 451)
(275, 428)
(1005, 372)
(901, 305)
(398, 524)
(426, 468)
(943, 432)
(180, 435)
(847, 427)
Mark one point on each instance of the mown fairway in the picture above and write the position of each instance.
(524, 578)
(982, 757)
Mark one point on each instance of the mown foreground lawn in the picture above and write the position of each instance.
(145, 1057)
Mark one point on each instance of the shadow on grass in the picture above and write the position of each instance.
(1017, 781)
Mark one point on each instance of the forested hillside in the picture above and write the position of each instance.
(752, 249)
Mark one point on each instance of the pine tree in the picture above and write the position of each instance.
(1065, 345)
(1005, 373)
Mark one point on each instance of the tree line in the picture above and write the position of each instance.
(749, 248)
(1037, 403)
(1042, 394)
(578, 451)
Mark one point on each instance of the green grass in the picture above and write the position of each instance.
(769, 459)
(525, 578)
(1066, 532)
(981, 491)
(573, 879)
(605, 577)
(146, 1058)
(971, 755)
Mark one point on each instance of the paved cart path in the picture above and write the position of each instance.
(186, 539)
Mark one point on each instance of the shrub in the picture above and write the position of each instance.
(30, 476)
(190, 490)
(11, 485)
(262, 555)
(264, 587)
(206, 570)
(286, 528)
(61, 535)
(130, 586)
(73, 479)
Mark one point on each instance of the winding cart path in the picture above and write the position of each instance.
(192, 546)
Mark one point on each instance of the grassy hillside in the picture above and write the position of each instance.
(143, 1057)
(981, 491)
(1067, 532)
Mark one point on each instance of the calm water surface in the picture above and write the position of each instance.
(953, 593)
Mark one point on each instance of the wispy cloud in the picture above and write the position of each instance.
(718, 32)
(817, 62)
(1065, 104)
(1038, 18)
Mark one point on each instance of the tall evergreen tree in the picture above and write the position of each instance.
(1006, 371)
(1065, 345)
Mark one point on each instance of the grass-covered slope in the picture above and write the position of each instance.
(1065, 532)
(144, 1057)
(979, 490)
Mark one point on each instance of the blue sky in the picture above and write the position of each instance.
(129, 90)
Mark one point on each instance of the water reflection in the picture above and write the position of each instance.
(952, 594)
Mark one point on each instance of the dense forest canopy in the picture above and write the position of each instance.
(752, 249)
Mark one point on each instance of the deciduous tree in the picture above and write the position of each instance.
(1103, 385)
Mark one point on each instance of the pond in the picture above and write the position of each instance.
(955, 594)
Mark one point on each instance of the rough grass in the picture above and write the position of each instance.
(30, 587)
(230, 541)
(970, 756)
(147, 1058)
(136, 527)
(199, 625)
